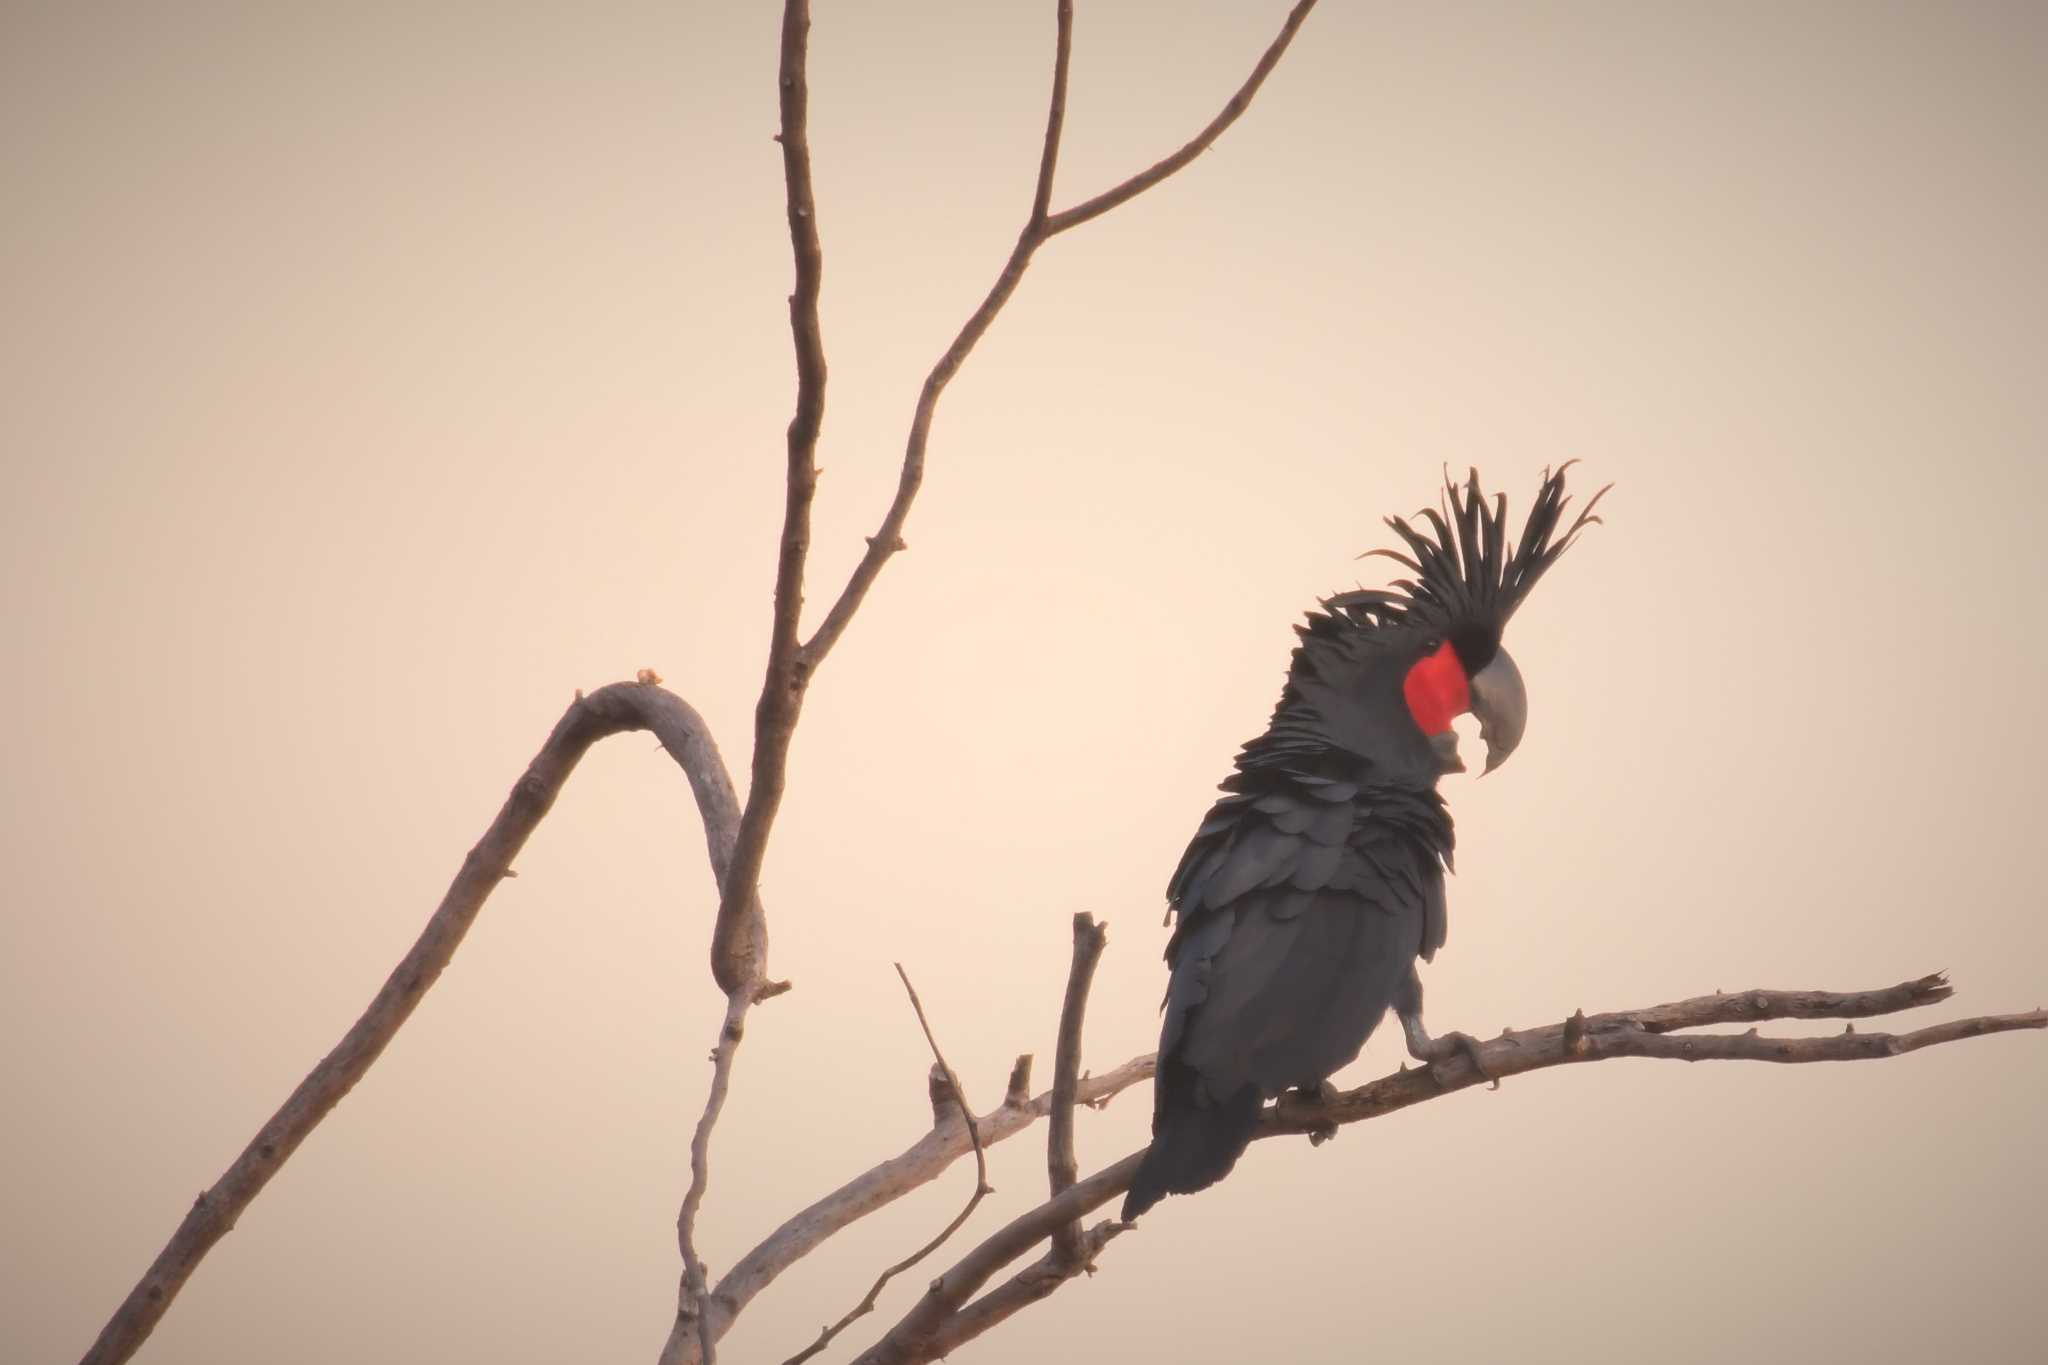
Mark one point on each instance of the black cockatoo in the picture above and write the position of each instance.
(1317, 880)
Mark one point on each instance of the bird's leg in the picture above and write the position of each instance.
(1323, 1093)
(1423, 1048)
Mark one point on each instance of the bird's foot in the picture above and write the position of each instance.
(1436, 1051)
(1325, 1094)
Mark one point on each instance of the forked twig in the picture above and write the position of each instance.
(981, 1190)
(887, 1181)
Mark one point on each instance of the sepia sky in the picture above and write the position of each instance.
(373, 377)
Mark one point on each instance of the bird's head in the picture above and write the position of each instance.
(1384, 673)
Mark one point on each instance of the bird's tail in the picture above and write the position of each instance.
(1194, 1145)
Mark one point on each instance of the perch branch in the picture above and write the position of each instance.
(943, 1318)
(1061, 1166)
(608, 711)
(952, 1097)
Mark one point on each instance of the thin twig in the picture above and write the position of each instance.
(943, 1319)
(881, 1185)
(981, 1189)
(1233, 109)
(1056, 116)
(889, 538)
(1062, 1168)
(608, 711)
(695, 1289)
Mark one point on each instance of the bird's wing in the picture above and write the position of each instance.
(1301, 909)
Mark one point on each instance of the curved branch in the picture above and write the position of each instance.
(944, 1317)
(739, 943)
(609, 711)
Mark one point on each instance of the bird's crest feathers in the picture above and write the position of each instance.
(1466, 576)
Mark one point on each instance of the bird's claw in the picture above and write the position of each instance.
(1325, 1094)
(1440, 1050)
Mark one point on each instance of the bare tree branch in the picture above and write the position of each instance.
(943, 1319)
(694, 1291)
(609, 711)
(791, 667)
(1233, 109)
(739, 947)
(1062, 1168)
(1038, 227)
(915, 1335)
(1034, 1282)
(951, 1099)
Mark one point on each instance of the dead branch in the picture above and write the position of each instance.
(739, 945)
(1024, 1288)
(943, 1318)
(1061, 1166)
(694, 1290)
(889, 538)
(608, 711)
(1040, 226)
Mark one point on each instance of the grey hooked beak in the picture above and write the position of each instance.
(1502, 705)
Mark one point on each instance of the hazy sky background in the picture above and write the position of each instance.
(373, 377)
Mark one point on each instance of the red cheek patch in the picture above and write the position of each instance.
(1436, 690)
